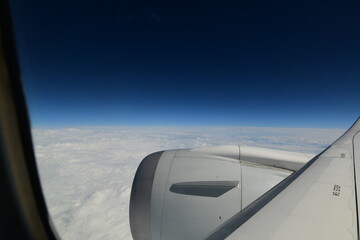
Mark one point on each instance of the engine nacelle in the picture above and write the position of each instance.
(187, 194)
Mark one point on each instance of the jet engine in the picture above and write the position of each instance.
(189, 193)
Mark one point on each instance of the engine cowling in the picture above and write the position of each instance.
(187, 194)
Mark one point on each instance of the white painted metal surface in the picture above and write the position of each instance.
(177, 215)
(269, 157)
(255, 181)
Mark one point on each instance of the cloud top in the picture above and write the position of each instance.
(86, 173)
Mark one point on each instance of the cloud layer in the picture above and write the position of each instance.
(86, 173)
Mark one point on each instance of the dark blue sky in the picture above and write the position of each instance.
(250, 63)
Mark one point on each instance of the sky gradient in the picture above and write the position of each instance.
(274, 63)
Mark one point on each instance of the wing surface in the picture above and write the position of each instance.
(320, 201)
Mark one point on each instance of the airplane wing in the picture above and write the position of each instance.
(320, 201)
(239, 192)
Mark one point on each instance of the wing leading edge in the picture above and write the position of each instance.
(320, 201)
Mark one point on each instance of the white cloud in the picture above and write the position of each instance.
(86, 173)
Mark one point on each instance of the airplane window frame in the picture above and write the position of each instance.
(23, 210)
